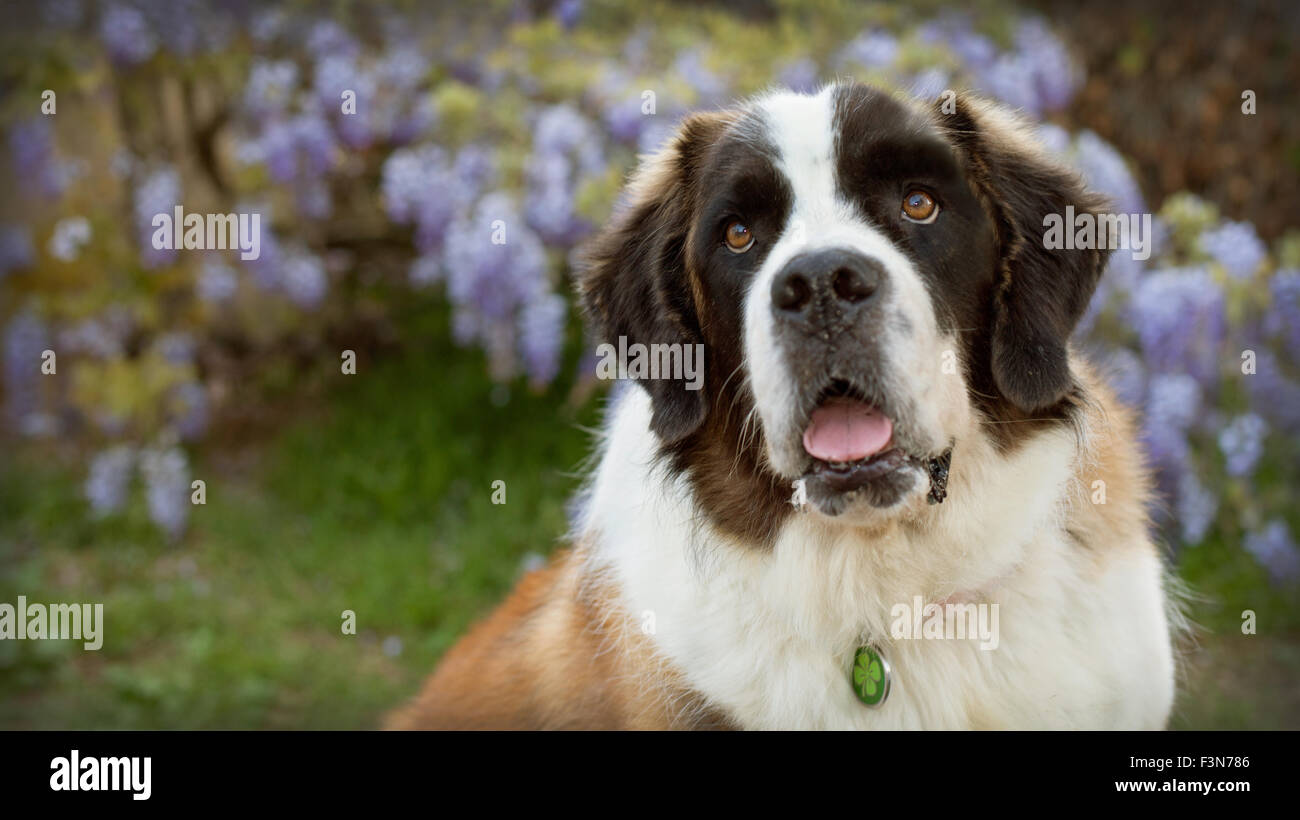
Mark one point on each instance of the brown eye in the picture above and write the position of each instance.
(739, 237)
(919, 206)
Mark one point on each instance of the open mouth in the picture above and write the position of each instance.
(851, 443)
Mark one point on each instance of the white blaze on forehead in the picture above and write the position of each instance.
(802, 130)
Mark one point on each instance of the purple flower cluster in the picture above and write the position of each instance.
(1036, 74)
(871, 49)
(1173, 405)
(217, 281)
(297, 150)
(166, 474)
(176, 347)
(1106, 171)
(33, 158)
(1242, 443)
(624, 120)
(1127, 375)
(271, 87)
(800, 75)
(291, 270)
(496, 269)
(1275, 549)
(1274, 393)
(1181, 322)
(133, 31)
(158, 193)
(109, 479)
(541, 336)
(385, 107)
(16, 250)
(303, 278)
(1045, 59)
(190, 410)
(184, 27)
(265, 270)
(69, 236)
(1236, 247)
(568, 12)
(1196, 508)
(101, 337)
(126, 34)
(1283, 318)
(300, 134)
(423, 186)
(25, 337)
(709, 87)
(567, 149)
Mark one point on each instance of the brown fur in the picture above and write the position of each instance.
(1112, 456)
(558, 654)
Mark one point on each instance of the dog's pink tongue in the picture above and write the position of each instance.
(846, 430)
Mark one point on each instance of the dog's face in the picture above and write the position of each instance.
(869, 282)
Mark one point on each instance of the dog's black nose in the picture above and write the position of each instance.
(826, 286)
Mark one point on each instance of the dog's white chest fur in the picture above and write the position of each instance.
(770, 635)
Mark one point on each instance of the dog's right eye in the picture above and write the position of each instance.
(918, 206)
(738, 237)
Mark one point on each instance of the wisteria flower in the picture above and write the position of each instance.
(1236, 247)
(159, 193)
(1180, 318)
(1242, 443)
(872, 49)
(166, 475)
(1275, 549)
(16, 250)
(109, 479)
(126, 34)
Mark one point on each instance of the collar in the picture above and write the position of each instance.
(938, 468)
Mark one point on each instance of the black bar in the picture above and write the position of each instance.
(440, 772)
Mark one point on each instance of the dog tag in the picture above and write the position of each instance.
(870, 676)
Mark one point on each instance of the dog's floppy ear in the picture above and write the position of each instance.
(632, 277)
(1041, 292)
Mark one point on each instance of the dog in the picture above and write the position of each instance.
(892, 415)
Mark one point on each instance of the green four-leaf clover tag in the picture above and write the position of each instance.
(870, 676)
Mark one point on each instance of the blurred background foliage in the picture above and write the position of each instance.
(371, 492)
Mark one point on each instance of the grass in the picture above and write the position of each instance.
(374, 495)
(377, 500)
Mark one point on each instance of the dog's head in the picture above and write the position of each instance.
(869, 280)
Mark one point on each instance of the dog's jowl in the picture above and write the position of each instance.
(885, 331)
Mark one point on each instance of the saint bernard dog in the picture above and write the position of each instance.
(892, 415)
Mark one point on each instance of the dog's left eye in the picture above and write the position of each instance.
(918, 206)
(738, 237)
